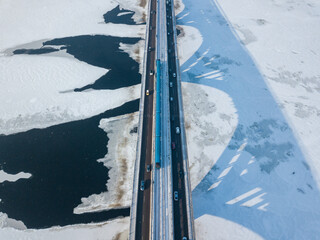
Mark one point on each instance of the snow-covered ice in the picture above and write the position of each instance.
(37, 90)
(210, 121)
(34, 20)
(212, 227)
(115, 229)
(263, 57)
(6, 222)
(45, 95)
(13, 177)
(122, 132)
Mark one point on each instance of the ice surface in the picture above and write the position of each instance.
(115, 229)
(36, 91)
(34, 20)
(45, 94)
(212, 227)
(210, 123)
(13, 177)
(122, 132)
(263, 63)
(189, 41)
(6, 222)
(283, 39)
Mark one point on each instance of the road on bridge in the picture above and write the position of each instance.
(178, 180)
(144, 201)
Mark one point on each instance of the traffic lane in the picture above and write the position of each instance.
(178, 169)
(142, 229)
(180, 210)
(147, 177)
(148, 150)
(179, 207)
(182, 199)
(178, 216)
(143, 209)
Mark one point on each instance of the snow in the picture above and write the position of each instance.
(120, 160)
(115, 229)
(188, 41)
(135, 52)
(285, 45)
(13, 177)
(38, 103)
(37, 92)
(219, 228)
(54, 102)
(258, 60)
(210, 123)
(6, 222)
(34, 20)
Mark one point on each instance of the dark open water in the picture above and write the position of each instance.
(62, 158)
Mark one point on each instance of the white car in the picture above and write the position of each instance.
(170, 84)
(177, 130)
(174, 75)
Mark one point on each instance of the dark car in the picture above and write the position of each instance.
(148, 168)
(142, 185)
(173, 145)
(176, 196)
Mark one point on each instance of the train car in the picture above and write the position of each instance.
(158, 117)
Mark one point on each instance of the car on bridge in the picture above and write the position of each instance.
(174, 75)
(147, 92)
(148, 168)
(142, 185)
(173, 145)
(176, 196)
(177, 130)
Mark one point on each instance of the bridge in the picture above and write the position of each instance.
(161, 198)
